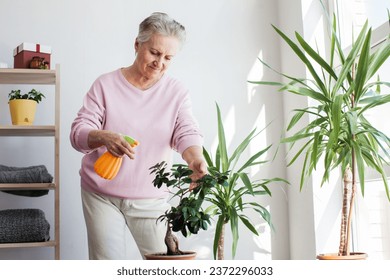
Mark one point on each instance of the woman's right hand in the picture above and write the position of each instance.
(114, 142)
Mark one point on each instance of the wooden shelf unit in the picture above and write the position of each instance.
(42, 77)
(45, 130)
(29, 76)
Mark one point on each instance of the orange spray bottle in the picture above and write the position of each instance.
(108, 165)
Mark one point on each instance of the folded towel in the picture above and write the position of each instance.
(30, 174)
(23, 225)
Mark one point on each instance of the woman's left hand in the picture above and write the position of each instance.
(199, 169)
(194, 157)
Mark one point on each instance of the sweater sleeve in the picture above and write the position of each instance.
(186, 132)
(89, 117)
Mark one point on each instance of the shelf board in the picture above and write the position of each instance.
(17, 130)
(50, 243)
(28, 186)
(27, 76)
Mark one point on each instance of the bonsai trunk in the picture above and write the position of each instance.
(172, 242)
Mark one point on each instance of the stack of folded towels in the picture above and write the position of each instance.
(30, 174)
(23, 225)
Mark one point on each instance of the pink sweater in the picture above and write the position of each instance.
(160, 118)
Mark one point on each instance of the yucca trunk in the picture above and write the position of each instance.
(221, 244)
(349, 193)
(351, 203)
(344, 213)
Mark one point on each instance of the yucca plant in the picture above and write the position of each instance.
(231, 202)
(341, 91)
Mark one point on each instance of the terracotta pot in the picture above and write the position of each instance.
(22, 111)
(334, 256)
(163, 256)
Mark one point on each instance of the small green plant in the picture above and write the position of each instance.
(32, 95)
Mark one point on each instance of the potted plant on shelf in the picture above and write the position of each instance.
(339, 136)
(188, 216)
(23, 106)
(231, 202)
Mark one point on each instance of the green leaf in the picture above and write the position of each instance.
(264, 213)
(362, 68)
(296, 137)
(295, 119)
(303, 58)
(350, 60)
(241, 148)
(377, 59)
(360, 166)
(336, 116)
(315, 56)
(373, 102)
(248, 224)
(308, 93)
(266, 83)
(222, 142)
(207, 157)
(245, 179)
(253, 158)
(234, 229)
(218, 159)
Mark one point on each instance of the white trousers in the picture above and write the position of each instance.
(109, 218)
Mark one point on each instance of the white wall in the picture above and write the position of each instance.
(301, 219)
(89, 38)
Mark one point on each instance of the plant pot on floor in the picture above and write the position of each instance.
(22, 111)
(187, 255)
(351, 256)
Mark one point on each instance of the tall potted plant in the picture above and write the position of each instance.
(341, 91)
(228, 189)
(231, 202)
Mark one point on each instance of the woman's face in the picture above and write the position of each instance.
(154, 56)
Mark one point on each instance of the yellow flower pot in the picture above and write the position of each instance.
(22, 111)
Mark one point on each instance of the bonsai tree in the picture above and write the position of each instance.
(231, 202)
(340, 93)
(31, 95)
(188, 216)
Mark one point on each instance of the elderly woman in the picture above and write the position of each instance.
(142, 101)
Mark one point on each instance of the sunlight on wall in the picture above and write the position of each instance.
(354, 14)
(263, 242)
(255, 74)
(373, 217)
(326, 217)
(260, 141)
(314, 34)
(203, 252)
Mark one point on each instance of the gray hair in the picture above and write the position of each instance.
(162, 24)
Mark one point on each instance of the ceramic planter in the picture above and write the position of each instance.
(352, 256)
(22, 111)
(163, 256)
